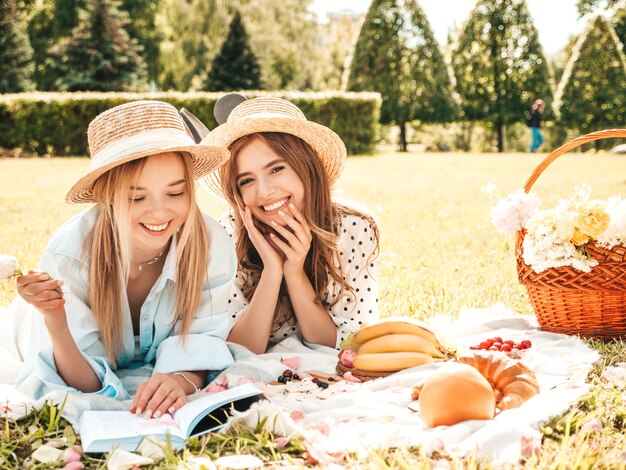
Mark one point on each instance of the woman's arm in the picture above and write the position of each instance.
(253, 328)
(315, 323)
(44, 293)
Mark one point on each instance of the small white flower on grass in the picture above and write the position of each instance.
(47, 454)
(9, 267)
(124, 460)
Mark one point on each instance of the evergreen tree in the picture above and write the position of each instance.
(15, 51)
(236, 66)
(590, 96)
(499, 65)
(99, 55)
(397, 55)
(195, 30)
(144, 27)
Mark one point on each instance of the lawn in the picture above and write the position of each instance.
(439, 253)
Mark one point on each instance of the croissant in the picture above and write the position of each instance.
(512, 381)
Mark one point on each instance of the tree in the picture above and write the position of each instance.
(144, 27)
(284, 35)
(499, 65)
(99, 55)
(235, 67)
(194, 33)
(15, 51)
(397, 55)
(590, 96)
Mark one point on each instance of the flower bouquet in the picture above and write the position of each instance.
(571, 258)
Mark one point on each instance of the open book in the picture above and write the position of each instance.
(102, 431)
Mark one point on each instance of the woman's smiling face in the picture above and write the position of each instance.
(160, 202)
(266, 182)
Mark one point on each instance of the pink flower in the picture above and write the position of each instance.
(245, 380)
(529, 446)
(74, 466)
(291, 362)
(351, 378)
(72, 455)
(346, 357)
(592, 425)
(282, 441)
(214, 389)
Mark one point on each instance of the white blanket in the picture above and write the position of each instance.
(351, 417)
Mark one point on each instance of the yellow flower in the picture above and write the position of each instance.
(590, 219)
(579, 238)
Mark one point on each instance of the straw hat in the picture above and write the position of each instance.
(271, 114)
(136, 130)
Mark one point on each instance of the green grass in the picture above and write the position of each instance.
(439, 253)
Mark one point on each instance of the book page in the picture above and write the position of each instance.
(119, 425)
(193, 412)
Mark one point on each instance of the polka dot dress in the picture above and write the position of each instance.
(356, 249)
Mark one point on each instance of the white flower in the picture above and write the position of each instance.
(511, 213)
(8, 267)
(548, 243)
(615, 233)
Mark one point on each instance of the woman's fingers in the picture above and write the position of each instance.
(300, 218)
(162, 393)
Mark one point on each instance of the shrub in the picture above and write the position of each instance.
(56, 123)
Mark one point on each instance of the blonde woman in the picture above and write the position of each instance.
(306, 262)
(141, 277)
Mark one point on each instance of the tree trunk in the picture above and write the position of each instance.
(500, 130)
(402, 144)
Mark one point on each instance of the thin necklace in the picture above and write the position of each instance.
(142, 266)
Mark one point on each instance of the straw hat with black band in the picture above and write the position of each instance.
(139, 129)
(271, 114)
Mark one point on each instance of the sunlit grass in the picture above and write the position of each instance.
(439, 253)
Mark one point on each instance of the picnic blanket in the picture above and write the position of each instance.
(359, 417)
(350, 417)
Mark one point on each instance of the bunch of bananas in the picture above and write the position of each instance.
(390, 346)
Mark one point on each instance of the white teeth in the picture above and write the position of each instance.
(156, 228)
(276, 205)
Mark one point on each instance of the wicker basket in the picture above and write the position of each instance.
(569, 301)
(362, 375)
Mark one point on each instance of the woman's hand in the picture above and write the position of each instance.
(162, 393)
(295, 242)
(42, 292)
(271, 256)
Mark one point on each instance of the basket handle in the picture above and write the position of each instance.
(572, 144)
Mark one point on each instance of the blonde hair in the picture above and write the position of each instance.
(320, 212)
(110, 251)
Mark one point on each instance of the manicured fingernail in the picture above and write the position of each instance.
(292, 205)
(148, 414)
(60, 283)
(171, 409)
(281, 213)
(138, 411)
(273, 223)
(157, 414)
(44, 277)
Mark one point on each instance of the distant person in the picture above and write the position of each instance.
(534, 122)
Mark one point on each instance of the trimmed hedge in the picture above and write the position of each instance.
(56, 123)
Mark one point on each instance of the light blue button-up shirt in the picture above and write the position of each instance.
(204, 348)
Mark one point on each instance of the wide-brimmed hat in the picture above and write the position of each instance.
(271, 114)
(136, 130)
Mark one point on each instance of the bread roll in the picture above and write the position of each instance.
(454, 393)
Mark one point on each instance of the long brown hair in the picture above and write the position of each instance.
(320, 213)
(110, 254)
